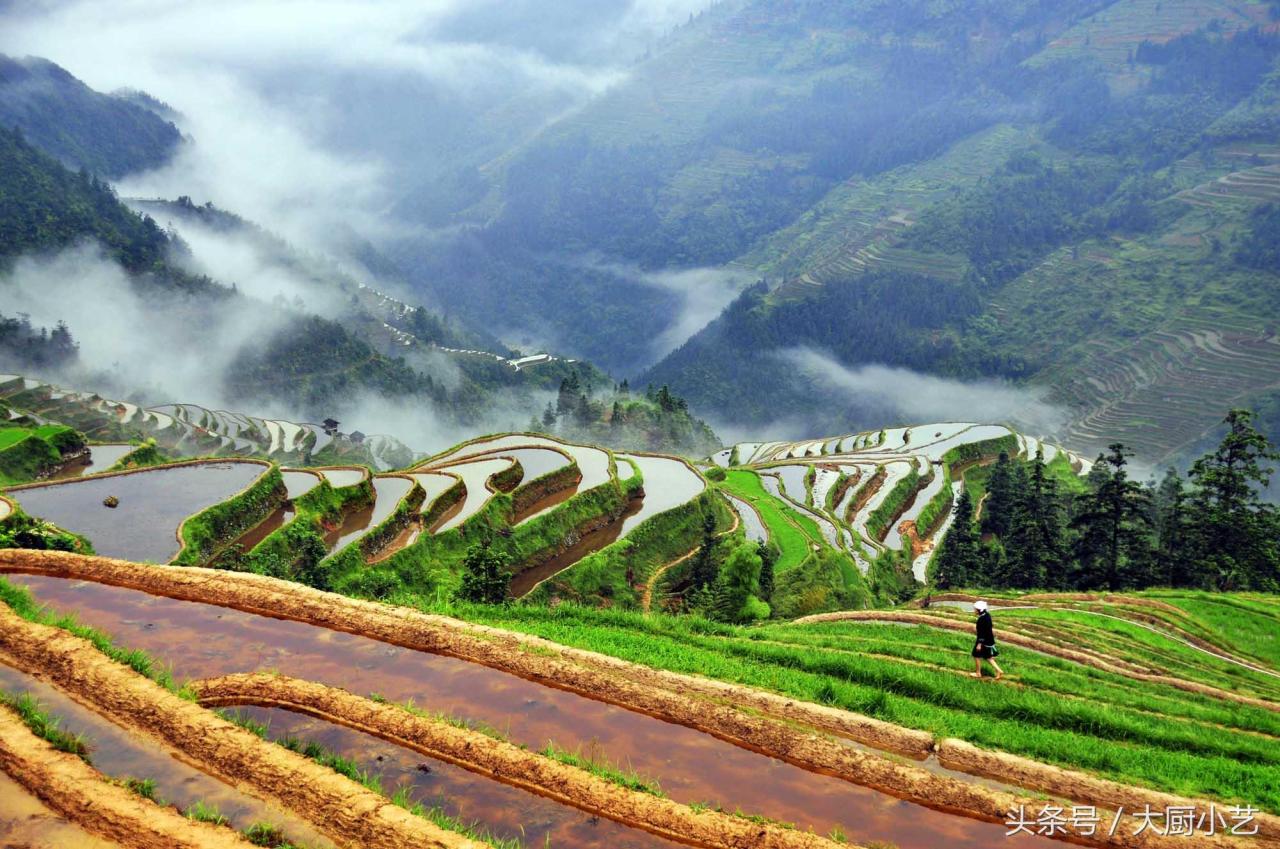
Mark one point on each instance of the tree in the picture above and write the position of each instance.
(998, 510)
(737, 589)
(959, 558)
(1233, 531)
(703, 572)
(549, 417)
(768, 560)
(1114, 547)
(1034, 547)
(1171, 524)
(486, 577)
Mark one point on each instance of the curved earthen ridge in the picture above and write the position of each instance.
(505, 762)
(773, 724)
(1086, 659)
(344, 811)
(82, 795)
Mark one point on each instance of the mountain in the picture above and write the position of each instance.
(104, 134)
(1068, 197)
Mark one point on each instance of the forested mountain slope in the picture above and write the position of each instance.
(105, 134)
(1102, 233)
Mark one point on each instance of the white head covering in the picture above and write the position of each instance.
(979, 605)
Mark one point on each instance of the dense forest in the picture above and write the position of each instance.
(1036, 529)
(106, 135)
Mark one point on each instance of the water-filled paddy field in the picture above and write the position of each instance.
(200, 640)
(152, 504)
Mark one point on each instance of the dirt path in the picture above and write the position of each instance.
(1107, 665)
(346, 812)
(754, 719)
(82, 795)
(505, 762)
(646, 598)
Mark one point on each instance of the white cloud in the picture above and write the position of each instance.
(916, 397)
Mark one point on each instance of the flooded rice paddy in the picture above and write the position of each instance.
(99, 459)
(524, 583)
(492, 807)
(668, 483)
(200, 640)
(389, 492)
(25, 823)
(475, 474)
(152, 504)
(119, 754)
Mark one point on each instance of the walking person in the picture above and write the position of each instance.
(985, 646)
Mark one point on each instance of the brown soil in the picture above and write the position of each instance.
(503, 761)
(346, 812)
(83, 796)
(864, 495)
(710, 706)
(1087, 659)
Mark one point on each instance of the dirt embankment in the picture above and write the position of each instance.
(505, 762)
(346, 812)
(710, 706)
(1107, 665)
(83, 796)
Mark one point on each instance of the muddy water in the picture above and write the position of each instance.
(201, 640)
(119, 754)
(523, 583)
(263, 529)
(490, 806)
(546, 504)
(152, 505)
(25, 823)
(667, 483)
(388, 493)
(99, 459)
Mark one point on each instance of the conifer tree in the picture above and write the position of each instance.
(998, 510)
(957, 563)
(1114, 547)
(1234, 532)
(486, 577)
(768, 560)
(703, 572)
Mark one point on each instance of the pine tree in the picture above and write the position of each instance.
(997, 512)
(1114, 548)
(549, 417)
(1034, 546)
(1233, 531)
(957, 563)
(1171, 523)
(768, 560)
(703, 571)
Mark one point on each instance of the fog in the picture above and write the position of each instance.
(131, 345)
(911, 397)
(309, 116)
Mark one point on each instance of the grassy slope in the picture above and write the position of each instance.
(1052, 710)
(792, 532)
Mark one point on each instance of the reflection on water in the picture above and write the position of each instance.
(200, 640)
(25, 823)
(152, 503)
(498, 809)
(388, 492)
(117, 753)
(99, 459)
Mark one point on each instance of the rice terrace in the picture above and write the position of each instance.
(730, 424)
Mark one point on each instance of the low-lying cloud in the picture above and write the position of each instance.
(915, 397)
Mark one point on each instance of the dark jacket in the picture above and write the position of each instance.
(986, 632)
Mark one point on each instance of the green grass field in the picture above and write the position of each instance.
(1049, 709)
(794, 533)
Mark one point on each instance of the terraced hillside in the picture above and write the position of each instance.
(191, 430)
(875, 496)
(870, 734)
